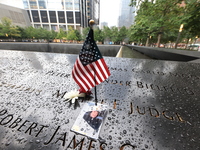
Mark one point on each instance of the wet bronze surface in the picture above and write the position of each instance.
(152, 104)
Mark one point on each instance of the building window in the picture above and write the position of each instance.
(42, 4)
(33, 4)
(54, 27)
(69, 4)
(78, 18)
(54, 4)
(61, 16)
(25, 4)
(70, 18)
(35, 16)
(78, 28)
(52, 15)
(62, 3)
(44, 16)
(29, 15)
(63, 27)
(76, 4)
(37, 26)
(46, 27)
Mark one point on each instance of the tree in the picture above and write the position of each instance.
(61, 34)
(30, 32)
(7, 29)
(1, 27)
(98, 35)
(40, 33)
(107, 33)
(85, 33)
(122, 33)
(52, 34)
(158, 17)
(78, 35)
(21, 32)
(71, 35)
(191, 17)
(115, 35)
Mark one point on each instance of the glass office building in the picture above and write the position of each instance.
(126, 14)
(57, 14)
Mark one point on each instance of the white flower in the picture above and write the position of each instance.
(73, 95)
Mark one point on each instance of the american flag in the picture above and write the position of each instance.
(90, 68)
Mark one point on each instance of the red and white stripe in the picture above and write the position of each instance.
(90, 75)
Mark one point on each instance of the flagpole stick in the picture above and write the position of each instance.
(91, 23)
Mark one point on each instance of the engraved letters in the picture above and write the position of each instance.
(164, 88)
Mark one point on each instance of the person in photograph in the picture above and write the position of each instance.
(94, 118)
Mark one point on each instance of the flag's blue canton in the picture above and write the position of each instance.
(89, 52)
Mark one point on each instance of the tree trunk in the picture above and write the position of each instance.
(159, 37)
(186, 46)
(147, 42)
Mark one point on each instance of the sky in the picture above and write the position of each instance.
(109, 11)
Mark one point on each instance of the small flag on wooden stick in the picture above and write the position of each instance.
(90, 68)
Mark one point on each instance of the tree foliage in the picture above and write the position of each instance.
(78, 35)
(61, 34)
(98, 35)
(115, 35)
(156, 18)
(71, 35)
(107, 33)
(8, 29)
(160, 18)
(122, 33)
(191, 18)
(85, 32)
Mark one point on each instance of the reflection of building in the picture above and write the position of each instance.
(126, 14)
(18, 16)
